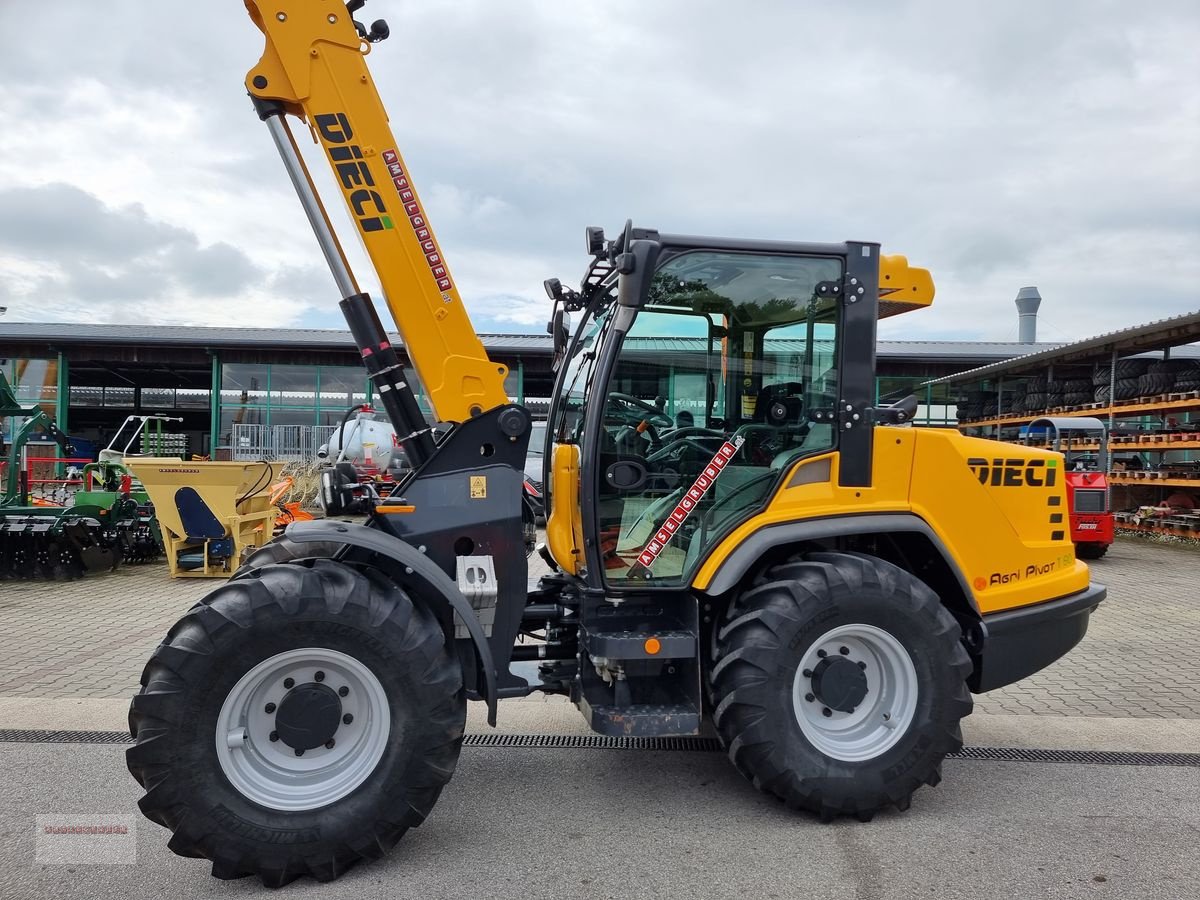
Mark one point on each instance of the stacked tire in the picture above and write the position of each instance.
(1054, 393)
(1130, 375)
(1035, 394)
(1187, 378)
(1077, 392)
(970, 406)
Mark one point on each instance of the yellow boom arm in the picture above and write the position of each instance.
(315, 66)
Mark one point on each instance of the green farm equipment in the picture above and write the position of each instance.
(97, 532)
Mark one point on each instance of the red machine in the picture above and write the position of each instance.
(1084, 444)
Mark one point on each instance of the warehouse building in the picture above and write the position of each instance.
(291, 384)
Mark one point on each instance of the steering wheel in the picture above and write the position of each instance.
(673, 445)
(652, 413)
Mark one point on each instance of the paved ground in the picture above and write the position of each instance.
(1141, 658)
(595, 824)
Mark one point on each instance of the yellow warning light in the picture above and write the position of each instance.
(652, 646)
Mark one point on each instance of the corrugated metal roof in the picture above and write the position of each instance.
(1173, 332)
(202, 336)
(338, 339)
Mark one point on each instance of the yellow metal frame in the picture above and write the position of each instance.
(1000, 537)
(315, 65)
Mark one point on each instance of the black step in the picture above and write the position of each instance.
(644, 720)
(675, 643)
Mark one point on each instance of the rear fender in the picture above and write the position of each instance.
(910, 535)
(410, 565)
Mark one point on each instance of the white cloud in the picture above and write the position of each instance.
(1002, 145)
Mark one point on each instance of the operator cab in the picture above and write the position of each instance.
(711, 368)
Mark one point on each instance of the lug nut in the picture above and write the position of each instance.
(862, 665)
(845, 651)
(343, 691)
(270, 708)
(810, 697)
(329, 744)
(299, 752)
(822, 654)
(320, 676)
(807, 673)
(289, 683)
(827, 712)
(274, 736)
(347, 719)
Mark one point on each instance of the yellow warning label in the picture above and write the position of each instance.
(478, 487)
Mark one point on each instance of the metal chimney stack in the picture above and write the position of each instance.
(1028, 301)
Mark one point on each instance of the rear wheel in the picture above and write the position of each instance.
(838, 684)
(301, 718)
(1090, 550)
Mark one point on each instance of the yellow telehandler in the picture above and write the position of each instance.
(738, 533)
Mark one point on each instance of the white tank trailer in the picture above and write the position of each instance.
(365, 441)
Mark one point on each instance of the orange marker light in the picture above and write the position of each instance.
(652, 646)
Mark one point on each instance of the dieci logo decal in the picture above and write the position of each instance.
(1015, 472)
(353, 173)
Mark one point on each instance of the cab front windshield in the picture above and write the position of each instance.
(732, 351)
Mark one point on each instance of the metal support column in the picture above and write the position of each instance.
(62, 399)
(1112, 399)
(62, 405)
(214, 406)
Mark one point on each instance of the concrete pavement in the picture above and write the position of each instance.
(1141, 659)
(646, 824)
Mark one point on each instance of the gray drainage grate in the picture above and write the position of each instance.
(1079, 757)
(591, 742)
(28, 736)
(678, 744)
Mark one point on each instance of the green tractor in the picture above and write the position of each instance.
(101, 528)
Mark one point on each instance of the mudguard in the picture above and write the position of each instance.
(752, 549)
(422, 568)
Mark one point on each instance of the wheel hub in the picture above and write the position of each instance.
(308, 716)
(839, 683)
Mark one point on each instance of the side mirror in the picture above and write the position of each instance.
(560, 330)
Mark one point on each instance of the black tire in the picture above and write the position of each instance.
(1153, 383)
(252, 618)
(1131, 368)
(1035, 402)
(1127, 389)
(283, 549)
(1102, 393)
(756, 653)
(1090, 550)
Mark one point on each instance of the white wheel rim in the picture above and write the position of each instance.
(269, 772)
(881, 718)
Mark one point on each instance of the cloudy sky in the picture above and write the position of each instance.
(998, 144)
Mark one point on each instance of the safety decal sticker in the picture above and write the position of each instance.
(688, 504)
(416, 217)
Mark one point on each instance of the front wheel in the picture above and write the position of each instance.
(838, 684)
(301, 718)
(1090, 550)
